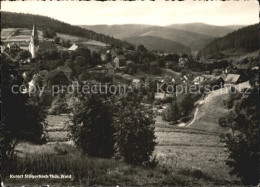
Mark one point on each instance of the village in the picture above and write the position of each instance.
(186, 97)
(116, 65)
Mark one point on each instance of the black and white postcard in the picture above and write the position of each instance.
(130, 93)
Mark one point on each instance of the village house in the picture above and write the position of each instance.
(136, 82)
(198, 80)
(232, 79)
(108, 68)
(13, 47)
(182, 62)
(74, 47)
(103, 57)
(119, 61)
(159, 96)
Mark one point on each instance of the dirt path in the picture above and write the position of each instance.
(209, 98)
(195, 113)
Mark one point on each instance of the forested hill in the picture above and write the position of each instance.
(159, 44)
(244, 39)
(19, 20)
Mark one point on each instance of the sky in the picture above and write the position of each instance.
(158, 12)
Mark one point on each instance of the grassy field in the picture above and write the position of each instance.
(57, 128)
(23, 37)
(197, 146)
(185, 155)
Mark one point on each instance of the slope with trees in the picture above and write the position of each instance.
(159, 44)
(245, 39)
(19, 20)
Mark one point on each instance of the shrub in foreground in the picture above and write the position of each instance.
(134, 137)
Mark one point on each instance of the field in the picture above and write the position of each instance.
(23, 38)
(190, 155)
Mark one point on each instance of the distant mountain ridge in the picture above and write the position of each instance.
(202, 28)
(194, 35)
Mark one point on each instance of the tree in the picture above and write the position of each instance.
(92, 129)
(141, 48)
(79, 65)
(172, 112)
(57, 40)
(56, 77)
(22, 118)
(134, 137)
(86, 53)
(243, 142)
(48, 33)
(96, 58)
(23, 55)
(172, 57)
(186, 104)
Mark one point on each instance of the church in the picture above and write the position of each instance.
(34, 43)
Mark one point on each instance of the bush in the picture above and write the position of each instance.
(92, 129)
(134, 137)
(171, 113)
(59, 108)
(243, 142)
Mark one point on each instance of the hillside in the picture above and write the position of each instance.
(201, 28)
(193, 35)
(183, 37)
(245, 39)
(117, 31)
(19, 20)
(159, 44)
(194, 41)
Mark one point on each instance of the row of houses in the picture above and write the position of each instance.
(227, 79)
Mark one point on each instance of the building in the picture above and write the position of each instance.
(182, 62)
(120, 61)
(34, 43)
(232, 79)
(108, 68)
(159, 96)
(13, 47)
(103, 57)
(74, 47)
(198, 80)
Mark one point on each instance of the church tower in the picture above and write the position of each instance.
(34, 43)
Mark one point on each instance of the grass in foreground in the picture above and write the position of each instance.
(85, 171)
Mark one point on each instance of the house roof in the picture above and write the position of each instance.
(73, 47)
(210, 77)
(159, 95)
(233, 78)
(255, 68)
(108, 66)
(199, 79)
(136, 81)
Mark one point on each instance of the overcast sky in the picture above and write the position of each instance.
(159, 12)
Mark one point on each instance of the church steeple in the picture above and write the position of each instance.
(34, 43)
(34, 37)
